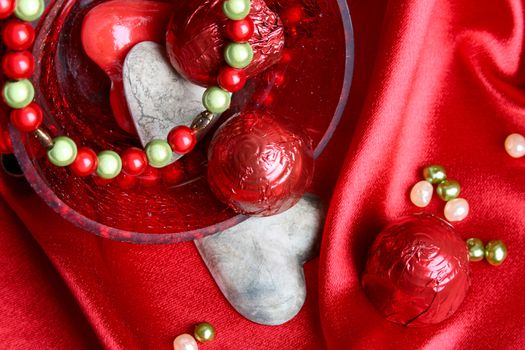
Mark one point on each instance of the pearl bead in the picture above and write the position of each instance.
(231, 79)
(434, 174)
(27, 119)
(456, 209)
(182, 139)
(238, 55)
(240, 31)
(204, 332)
(495, 252)
(18, 35)
(185, 342)
(7, 7)
(86, 162)
(448, 190)
(476, 249)
(63, 152)
(18, 65)
(29, 10)
(109, 165)
(159, 153)
(421, 194)
(19, 94)
(515, 145)
(134, 161)
(236, 9)
(216, 100)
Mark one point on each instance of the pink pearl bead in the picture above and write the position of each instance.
(515, 145)
(421, 194)
(185, 342)
(456, 209)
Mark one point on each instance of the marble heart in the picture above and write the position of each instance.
(258, 264)
(158, 97)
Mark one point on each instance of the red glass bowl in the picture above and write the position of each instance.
(310, 87)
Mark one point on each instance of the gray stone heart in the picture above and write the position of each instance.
(158, 97)
(258, 264)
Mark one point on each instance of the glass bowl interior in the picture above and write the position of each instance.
(73, 93)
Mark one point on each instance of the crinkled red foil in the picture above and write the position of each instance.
(417, 272)
(258, 164)
(196, 39)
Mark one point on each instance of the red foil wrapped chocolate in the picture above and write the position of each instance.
(197, 36)
(259, 165)
(418, 272)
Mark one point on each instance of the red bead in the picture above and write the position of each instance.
(150, 177)
(240, 31)
(18, 65)
(231, 79)
(173, 174)
(18, 35)
(86, 162)
(7, 7)
(182, 139)
(134, 161)
(27, 119)
(126, 182)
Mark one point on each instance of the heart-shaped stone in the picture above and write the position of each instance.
(111, 29)
(258, 264)
(158, 97)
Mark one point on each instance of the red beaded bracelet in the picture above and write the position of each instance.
(18, 66)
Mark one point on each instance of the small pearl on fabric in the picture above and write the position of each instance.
(515, 145)
(421, 194)
(434, 174)
(204, 332)
(495, 252)
(476, 249)
(448, 190)
(185, 342)
(456, 210)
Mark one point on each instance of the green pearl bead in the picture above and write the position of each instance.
(29, 10)
(236, 9)
(435, 174)
(204, 332)
(476, 249)
(18, 94)
(448, 190)
(159, 153)
(495, 252)
(216, 100)
(238, 55)
(63, 152)
(109, 165)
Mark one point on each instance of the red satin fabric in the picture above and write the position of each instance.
(435, 81)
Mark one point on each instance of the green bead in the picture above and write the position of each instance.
(238, 55)
(236, 9)
(448, 190)
(204, 332)
(476, 249)
(29, 10)
(434, 174)
(159, 153)
(109, 165)
(63, 152)
(18, 94)
(495, 252)
(216, 100)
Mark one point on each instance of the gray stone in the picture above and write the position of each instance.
(158, 97)
(258, 264)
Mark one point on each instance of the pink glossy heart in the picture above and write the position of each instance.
(109, 32)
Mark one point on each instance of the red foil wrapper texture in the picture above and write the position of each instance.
(418, 272)
(196, 39)
(259, 165)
